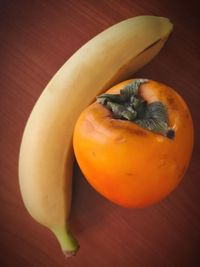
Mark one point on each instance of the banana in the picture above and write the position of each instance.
(46, 154)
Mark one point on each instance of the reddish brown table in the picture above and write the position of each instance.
(36, 38)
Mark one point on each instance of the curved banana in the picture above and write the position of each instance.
(46, 155)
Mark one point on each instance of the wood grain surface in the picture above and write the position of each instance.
(36, 38)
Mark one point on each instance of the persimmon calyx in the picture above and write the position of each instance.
(129, 105)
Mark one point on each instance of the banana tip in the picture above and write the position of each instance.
(69, 254)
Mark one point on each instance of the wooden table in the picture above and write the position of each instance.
(36, 38)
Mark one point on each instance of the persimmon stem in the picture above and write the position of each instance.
(129, 105)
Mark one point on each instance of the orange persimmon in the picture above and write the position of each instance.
(127, 163)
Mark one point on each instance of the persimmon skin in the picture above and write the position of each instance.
(129, 165)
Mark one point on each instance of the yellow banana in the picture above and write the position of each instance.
(46, 155)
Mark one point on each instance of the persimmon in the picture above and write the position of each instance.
(135, 142)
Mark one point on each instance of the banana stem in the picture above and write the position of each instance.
(68, 243)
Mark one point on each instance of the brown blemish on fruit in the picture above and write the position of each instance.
(124, 125)
(93, 154)
(139, 132)
(172, 102)
(129, 174)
